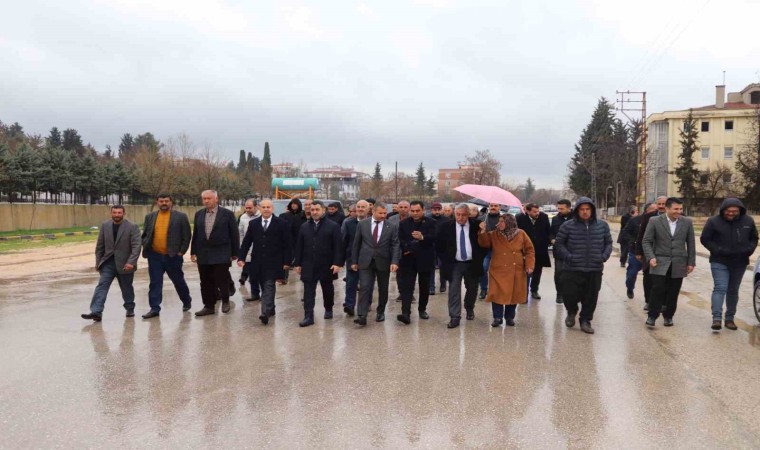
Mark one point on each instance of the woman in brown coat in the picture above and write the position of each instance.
(512, 260)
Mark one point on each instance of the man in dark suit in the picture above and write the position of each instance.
(271, 255)
(536, 225)
(670, 253)
(417, 239)
(633, 211)
(319, 257)
(214, 244)
(348, 230)
(165, 239)
(564, 213)
(639, 250)
(116, 254)
(375, 254)
(462, 259)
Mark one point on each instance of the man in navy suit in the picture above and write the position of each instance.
(271, 256)
(319, 257)
(214, 245)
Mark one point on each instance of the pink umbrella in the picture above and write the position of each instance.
(491, 194)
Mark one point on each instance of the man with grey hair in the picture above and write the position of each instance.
(251, 212)
(461, 259)
(214, 245)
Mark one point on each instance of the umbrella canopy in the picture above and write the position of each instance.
(491, 194)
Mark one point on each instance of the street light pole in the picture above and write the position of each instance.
(605, 200)
(617, 197)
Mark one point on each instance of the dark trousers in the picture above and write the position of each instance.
(583, 288)
(268, 291)
(158, 265)
(255, 285)
(624, 251)
(647, 281)
(310, 293)
(107, 274)
(665, 290)
(503, 311)
(632, 272)
(215, 278)
(535, 279)
(408, 278)
(558, 266)
(367, 279)
(460, 272)
(352, 282)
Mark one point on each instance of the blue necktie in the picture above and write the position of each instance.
(462, 246)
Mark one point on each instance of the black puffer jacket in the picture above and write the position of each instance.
(584, 246)
(730, 242)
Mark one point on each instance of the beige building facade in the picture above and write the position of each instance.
(724, 129)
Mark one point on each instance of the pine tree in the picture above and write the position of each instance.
(242, 162)
(591, 149)
(54, 139)
(126, 147)
(419, 181)
(530, 189)
(267, 159)
(686, 173)
(72, 141)
(377, 181)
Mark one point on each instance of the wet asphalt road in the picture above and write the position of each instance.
(227, 381)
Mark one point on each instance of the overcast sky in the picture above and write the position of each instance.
(352, 82)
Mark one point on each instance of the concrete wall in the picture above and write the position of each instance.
(42, 216)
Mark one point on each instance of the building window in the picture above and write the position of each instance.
(703, 179)
(705, 127)
(728, 153)
(728, 178)
(729, 125)
(705, 152)
(754, 98)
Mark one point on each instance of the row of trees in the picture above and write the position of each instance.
(60, 168)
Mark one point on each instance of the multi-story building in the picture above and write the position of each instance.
(341, 183)
(448, 179)
(724, 129)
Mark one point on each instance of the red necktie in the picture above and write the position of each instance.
(374, 232)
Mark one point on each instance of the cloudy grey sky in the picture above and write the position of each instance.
(354, 82)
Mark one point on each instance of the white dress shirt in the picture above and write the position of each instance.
(673, 224)
(379, 231)
(467, 244)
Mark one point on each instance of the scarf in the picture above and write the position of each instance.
(511, 230)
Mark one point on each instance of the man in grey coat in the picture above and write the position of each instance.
(116, 254)
(375, 254)
(669, 251)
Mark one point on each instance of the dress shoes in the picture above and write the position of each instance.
(483, 295)
(307, 321)
(453, 323)
(731, 325)
(349, 311)
(186, 307)
(510, 322)
(535, 295)
(559, 300)
(496, 323)
(150, 315)
(668, 322)
(586, 328)
(264, 318)
(650, 321)
(92, 316)
(328, 314)
(443, 289)
(205, 312)
(424, 315)
(716, 325)
(646, 306)
(361, 321)
(380, 317)
(432, 292)
(570, 320)
(404, 318)
(629, 293)
(253, 298)
(470, 315)
(130, 313)
(226, 306)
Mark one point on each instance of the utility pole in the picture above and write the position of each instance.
(396, 178)
(625, 103)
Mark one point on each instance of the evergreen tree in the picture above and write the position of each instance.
(590, 149)
(377, 181)
(72, 141)
(686, 173)
(530, 189)
(420, 180)
(431, 185)
(54, 139)
(148, 141)
(267, 159)
(242, 162)
(126, 147)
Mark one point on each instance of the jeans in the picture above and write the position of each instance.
(107, 274)
(634, 266)
(503, 311)
(352, 282)
(171, 265)
(484, 278)
(726, 281)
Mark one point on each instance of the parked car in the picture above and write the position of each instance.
(756, 291)
(550, 210)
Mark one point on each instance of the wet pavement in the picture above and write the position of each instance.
(228, 381)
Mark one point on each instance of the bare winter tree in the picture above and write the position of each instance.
(482, 168)
(715, 185)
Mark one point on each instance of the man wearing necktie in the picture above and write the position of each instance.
(375, 254)
(462, 260)
(318, 259)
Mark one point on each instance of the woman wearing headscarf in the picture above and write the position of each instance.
(512, 260)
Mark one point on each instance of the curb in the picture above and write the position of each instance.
(30, 237)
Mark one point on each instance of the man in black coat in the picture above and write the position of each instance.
(628, 236)
(461, 259)
(623, 239)
(318, 258)
(417, 238)
(639, 249)
(536, 224)
(271, 255)
(564, 213)
(215, 243)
